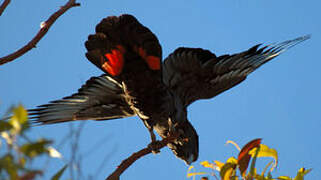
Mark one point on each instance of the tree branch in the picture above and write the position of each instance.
(43, 30)
(135, 156)
(4, 6)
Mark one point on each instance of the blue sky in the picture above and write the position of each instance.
(280, 102)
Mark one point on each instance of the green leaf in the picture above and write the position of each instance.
(195, 174)
(5, 126)
(260, 177)
(190, 168)
(269, 176)
(265, 151)
(228, 171)
(190, 174)
(22, 161)
(232, 160)
(59, 173)
(266, 167)
(207, 164)
(34, 149)
(284, 178)
(7, 163)
(218, 165)
(252, 172)
(301, 173)
(9, 139)
(19, 120)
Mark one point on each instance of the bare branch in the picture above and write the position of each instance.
(4, 6)
(43, 30)
(135, 156)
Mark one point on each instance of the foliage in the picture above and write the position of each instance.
(234, 169)
(16, 157)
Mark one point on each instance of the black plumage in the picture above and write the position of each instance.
(138, 83)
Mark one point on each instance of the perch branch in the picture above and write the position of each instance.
(135, 156)
(4, 6)
(43, 30)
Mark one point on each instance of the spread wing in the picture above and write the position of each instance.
(194, 73)
(101, 98)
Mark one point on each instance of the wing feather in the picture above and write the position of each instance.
(194, 73)
(101, 98)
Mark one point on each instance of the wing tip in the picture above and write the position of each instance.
(285, 45)
(305, 37)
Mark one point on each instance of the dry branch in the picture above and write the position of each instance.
(43, 30)
(135, 156)
(4, 6)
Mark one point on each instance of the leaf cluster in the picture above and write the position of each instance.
(18, 151)
(237, 168)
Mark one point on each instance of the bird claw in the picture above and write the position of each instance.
(154, 146)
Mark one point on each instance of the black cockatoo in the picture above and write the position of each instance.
(136, 82)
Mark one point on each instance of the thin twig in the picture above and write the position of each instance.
(135, 156)
(4, 6)
(100, 168)
(43, 30)
(75, 146)
(75, 161)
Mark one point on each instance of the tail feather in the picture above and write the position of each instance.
(120, 39)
